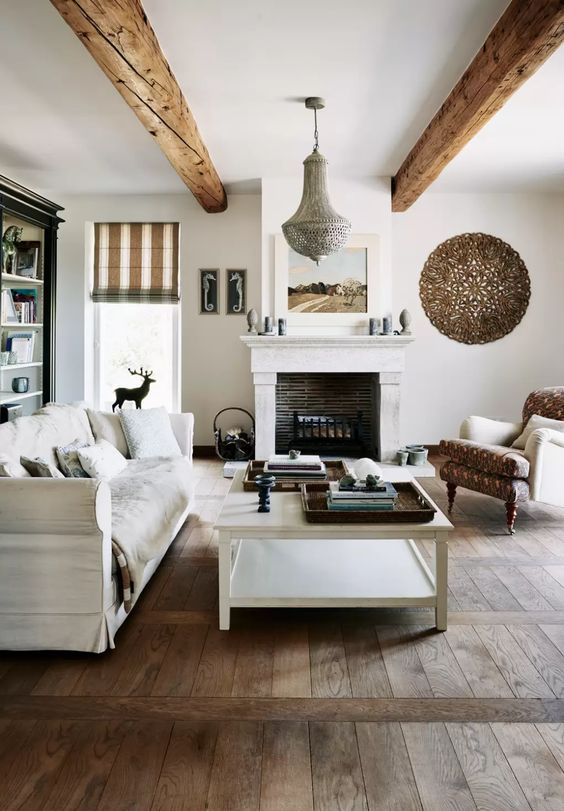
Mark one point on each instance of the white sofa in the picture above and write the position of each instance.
(59, 584)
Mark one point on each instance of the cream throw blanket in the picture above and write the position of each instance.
(148, 498)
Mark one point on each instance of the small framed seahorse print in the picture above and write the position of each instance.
(209, 291)
(236, 292)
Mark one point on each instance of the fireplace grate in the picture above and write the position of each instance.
(327, 432)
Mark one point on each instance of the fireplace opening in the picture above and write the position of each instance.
(333, 433)
(327, 413)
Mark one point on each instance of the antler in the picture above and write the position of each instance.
(141, 373)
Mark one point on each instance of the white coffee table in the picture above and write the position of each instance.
(279, 559)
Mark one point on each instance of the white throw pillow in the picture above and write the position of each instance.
(102, 460)
(11, 468)
(149, 433)
(106, 425)
(535, 422)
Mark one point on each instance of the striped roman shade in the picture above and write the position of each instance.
(136, 262)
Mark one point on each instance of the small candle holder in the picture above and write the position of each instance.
(265, 482)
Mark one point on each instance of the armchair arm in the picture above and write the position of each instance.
(545, 452)
(490, 432)
(183, 428)
(55, 546)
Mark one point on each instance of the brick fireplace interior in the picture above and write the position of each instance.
(330, 395)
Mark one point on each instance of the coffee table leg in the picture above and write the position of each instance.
(224, 580)
(441, 582)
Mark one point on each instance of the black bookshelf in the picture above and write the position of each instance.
(39, 217)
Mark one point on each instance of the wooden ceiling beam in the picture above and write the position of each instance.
(119, 36)
(527, 33)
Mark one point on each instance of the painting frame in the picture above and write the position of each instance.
(26, 259)
(214, 294)
(232, 294)
(371, 243)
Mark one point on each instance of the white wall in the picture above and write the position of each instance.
(215, 365)
(445, 380)
(365, 201)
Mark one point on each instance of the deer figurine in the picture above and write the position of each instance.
(138, 394)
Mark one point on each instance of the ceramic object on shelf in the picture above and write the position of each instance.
(252, 321)
(373, 326)
(282, 326)
(386, 326)
(4, 358)
(418, 456)
(405, 321)
(20, 385)
(402, 457)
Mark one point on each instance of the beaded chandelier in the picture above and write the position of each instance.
(316, 230)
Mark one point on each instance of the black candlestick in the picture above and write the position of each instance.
(264, 482)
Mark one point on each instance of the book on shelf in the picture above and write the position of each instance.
(281, 461)
(22, 343)
(310, 467)
(360, 506)
(25, 303)
(361, 494)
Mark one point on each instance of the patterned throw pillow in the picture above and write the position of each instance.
(69, 461)
(40, 468)
(149, 433)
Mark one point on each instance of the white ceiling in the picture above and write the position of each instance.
(384, 67)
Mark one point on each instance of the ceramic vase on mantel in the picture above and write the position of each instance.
(405, 321)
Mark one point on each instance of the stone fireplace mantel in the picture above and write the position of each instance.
(381, 356)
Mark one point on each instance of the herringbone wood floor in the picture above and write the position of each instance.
(301, 710)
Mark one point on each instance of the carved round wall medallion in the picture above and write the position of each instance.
(474, 288)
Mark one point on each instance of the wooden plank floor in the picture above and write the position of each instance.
(308, 710)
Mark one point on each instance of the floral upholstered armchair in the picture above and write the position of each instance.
(513, 461)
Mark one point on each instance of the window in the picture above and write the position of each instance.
(131, 336)
(136, 293)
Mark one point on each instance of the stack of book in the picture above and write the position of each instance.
(304, 467)
(359, 498)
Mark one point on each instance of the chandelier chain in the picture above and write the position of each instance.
(315, 131)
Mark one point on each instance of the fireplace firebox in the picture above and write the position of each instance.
(328, 413)
(329, 434)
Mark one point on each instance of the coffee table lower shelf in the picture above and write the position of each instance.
(316, 572)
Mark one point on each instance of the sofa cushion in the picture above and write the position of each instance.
(102, 460)
(149, 433)
(40, 469)
(487, 483)
(535, 422)
(106, 425)
(496, 459)
(547, 402)
(148, 499)
(40, 434)
(11, 468)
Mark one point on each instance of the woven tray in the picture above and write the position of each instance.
(335, 471)
(411, 507)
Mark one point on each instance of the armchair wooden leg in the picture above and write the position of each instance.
(451, 491)
(511, 511)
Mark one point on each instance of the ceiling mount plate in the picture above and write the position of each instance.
(315, 103)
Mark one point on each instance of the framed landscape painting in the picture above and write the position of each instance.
(341, 290)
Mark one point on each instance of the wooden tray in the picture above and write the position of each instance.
(335, 471)
(411, 507)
